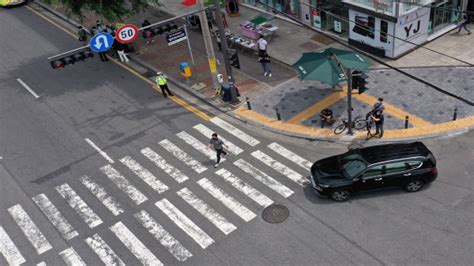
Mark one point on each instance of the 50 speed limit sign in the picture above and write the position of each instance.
(127, 33)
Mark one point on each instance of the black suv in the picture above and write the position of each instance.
(407, 165)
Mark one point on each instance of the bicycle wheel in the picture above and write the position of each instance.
(339, 129)
(360, 124)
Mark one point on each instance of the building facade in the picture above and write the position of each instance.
(387, 28)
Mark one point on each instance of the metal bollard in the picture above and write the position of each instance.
(248, 103)
(278, 114)
(406, 121)
(455, 115)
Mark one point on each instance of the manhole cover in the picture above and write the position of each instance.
(275, 213)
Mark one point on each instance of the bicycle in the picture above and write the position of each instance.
(358, 123)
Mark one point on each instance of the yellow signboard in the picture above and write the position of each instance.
(212, 65)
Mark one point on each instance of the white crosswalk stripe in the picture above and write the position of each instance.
(122, 183)
(138, 249)
(86, 213)
(245, 188)
(105, 253)
(163, 165)
(182, 156)
(290, 155)
(9, 250)
(71, 257)
(264, 178)
(213, 216)
(98, 191)
(55, 217)
(231, 203)
(144, 174)
(165, 238)
(279, 167)
(235, 131)
(183, 222)
(234, 149)
(41, 264)
(29, 228)
(201, 147)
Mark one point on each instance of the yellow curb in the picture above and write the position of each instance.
(317, 107)
(394, 111)
(329, 133)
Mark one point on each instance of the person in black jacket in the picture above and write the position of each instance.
(264, 60)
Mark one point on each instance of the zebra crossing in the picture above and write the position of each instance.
(208, 193)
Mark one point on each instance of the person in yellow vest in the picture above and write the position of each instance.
(163, 83)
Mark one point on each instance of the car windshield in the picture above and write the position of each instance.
(352, 164)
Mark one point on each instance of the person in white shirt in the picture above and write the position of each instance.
(262, 44)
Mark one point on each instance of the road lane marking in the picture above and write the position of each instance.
(86, 213)
(141, 252)
(101, 152)
(317, 107)
(203, 208)
(52, 22)
(103, 251)
(234, 149)
(183, 222)
(245, 188)
(231, 203)
(99, 192)
(9, 250)
(201, 147)
(264, 178)
(279, 167)
(29, 228)
(41, 264)
(55, 217)
(235, 131)
(144, 174)
(123, 184)
(30, 90)
(165, 238)
(290, 155)
(71, 257)
(163, 165)
(182, 156)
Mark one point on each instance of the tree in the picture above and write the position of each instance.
(111, 10)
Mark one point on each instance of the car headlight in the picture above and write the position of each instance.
(325, 186)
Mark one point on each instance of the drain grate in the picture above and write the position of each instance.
(275, 213)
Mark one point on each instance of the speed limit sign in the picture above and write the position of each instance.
(127, 33)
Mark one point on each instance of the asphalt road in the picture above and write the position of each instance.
(45, 158)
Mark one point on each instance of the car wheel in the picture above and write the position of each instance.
(340, 195)
(414, 186)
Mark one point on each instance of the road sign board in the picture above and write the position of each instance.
(127, 33)
(101, 42)
(176, 37)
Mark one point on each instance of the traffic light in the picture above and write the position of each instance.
(355, 79)
(233, 58)
(61, 62)
(159, 30)
(362, 82)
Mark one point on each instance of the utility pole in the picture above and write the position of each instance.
(348, 75)
(225, 55)
(211, 57)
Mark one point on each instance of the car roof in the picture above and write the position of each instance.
(387, 152)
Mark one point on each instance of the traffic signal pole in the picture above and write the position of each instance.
(211, 57)
(225, 55)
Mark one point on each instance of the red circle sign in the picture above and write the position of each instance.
(127, 33)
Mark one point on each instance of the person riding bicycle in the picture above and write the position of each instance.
(326, 117)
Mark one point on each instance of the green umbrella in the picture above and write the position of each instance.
(321, 66)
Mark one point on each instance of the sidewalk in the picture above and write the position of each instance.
(430, 111)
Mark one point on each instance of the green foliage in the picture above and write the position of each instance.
(110, 10)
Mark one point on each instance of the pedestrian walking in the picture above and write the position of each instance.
(379, 120)
(463, 24)
(264, 60)
(121, 52)
(144, 24)
(379, 105)
(163, 84)
(99, 26)
(262, 44)
(82, 33)
(218, 146)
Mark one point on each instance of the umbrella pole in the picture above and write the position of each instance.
(348, 75)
